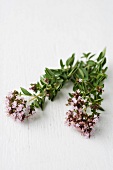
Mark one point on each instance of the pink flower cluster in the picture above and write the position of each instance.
(16, 106)
(78, 118)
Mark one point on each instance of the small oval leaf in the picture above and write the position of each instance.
(25, 92)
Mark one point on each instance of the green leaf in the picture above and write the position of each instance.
(91, 56)
(104, 52)
(81, 72)
(75, 87)
(70, 60)
(103, 62)
(25, 92)
(73, 70)
(101, 78)
(105, 70)
(101, 55)
(36, 104)
(99, 67)
(71, 95)
(49, 73)
(86, 55)
(42, 80)
(100, 108)
(81, 63)
(38, 85)
(98, 100)
(85, 73)
(61, 63)
(90, 63)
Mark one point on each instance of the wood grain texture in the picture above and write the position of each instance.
(35, 34)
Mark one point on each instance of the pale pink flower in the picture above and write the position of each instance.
(79, 97)
(85, 100)
(78, 117)
(10, 95)
(84, 107)
(19, 98)
(78, 91)
(96, 119)
(33, 112)
(75, 108)
(80, 80)
(74, 100)
(19, 108)
(86, 135)
(74, 113)
(77, 125)
(80, 110)
(9, 108)
(7, 101)
(27, 108)
(14, 104)
(14, 115)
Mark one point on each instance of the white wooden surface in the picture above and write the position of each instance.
(35, 34)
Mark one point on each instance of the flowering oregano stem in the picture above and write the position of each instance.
(86, 99)
(48, 86)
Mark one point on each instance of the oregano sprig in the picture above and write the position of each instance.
(87, 96)
(47, 88)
